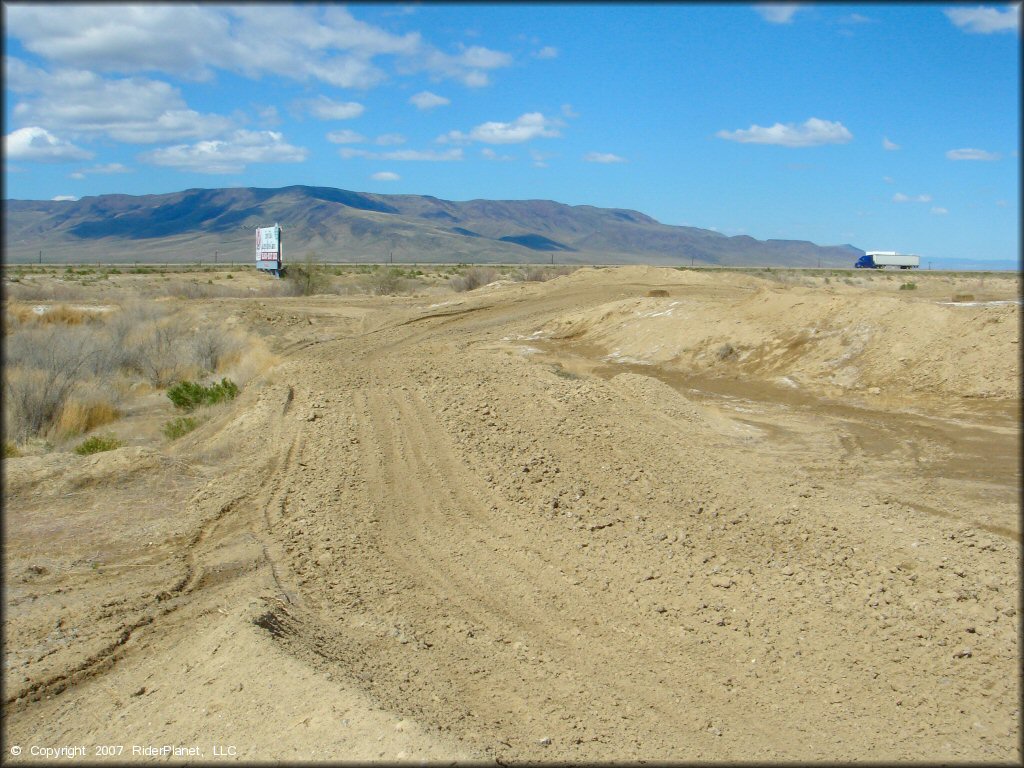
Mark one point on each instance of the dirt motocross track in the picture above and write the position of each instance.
(570, 521)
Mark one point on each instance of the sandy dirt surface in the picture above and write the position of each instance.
(627, 514)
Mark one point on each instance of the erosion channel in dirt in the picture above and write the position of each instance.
(624, 514)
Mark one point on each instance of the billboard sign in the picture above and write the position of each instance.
(268, 248)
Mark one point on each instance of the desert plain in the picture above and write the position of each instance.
(624, 514)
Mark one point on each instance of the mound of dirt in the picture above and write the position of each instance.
(828, 342)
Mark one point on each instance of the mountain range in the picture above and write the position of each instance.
(342, 226)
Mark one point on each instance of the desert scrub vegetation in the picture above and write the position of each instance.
(97, 444)
(189, 395)
(68, 370)
(179, 427)
(473, 278)
(307, 277)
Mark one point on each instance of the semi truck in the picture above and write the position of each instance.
(883, 259)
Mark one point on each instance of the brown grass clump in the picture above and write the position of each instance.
(62, 314)
(657, 293)
(79, 416)
(473, 278)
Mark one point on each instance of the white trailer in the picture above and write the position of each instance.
(883, 259)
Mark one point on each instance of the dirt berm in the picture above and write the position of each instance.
(734, 520)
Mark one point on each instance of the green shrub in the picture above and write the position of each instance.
(98, 444)
(908, 287)
(10, 450)
(180, 426)
(188, 395)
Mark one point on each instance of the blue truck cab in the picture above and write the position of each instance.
(865, 262)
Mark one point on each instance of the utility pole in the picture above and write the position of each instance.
(215, 257)
(40, 257)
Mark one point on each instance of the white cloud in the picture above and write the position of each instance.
(105, 169)
(984, 21)
(299, 43)
(899, 197)
(547, 52)
(64, 199)
(385, 176)
(891, 146)
(856, 18)
(813, 132)
(568, 111)
(478, 57)
(470, 66)
(133, 110)
(971, 154)
(403, 155)
(345, 136)
(603, 157)
(939, 211)
(777, 13)
(38, 144)
(231, 155)
(490, 154)
(540, 159)
(389, 139)
(532, 125)
(428, 100)
(888, 179)
(323, 108)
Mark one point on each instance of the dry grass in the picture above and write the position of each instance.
(80, 416)
(473, 278)
(66, 371)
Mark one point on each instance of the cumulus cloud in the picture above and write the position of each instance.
(971, 154)
(603, 157)
(891, 146)
(470, 66)
(299, 42)
(39, 145)
(323, 108)
(777, 13)
(812, 133)
(984, 21)
(568, 111)
(230, 155)
(403, 155)
(133, 110)
(345, 136)
(385, 176)
(389, 139)
(547, 52)
(428, 100)
(939, 211)
(64, 199)
(532, 125)
(899, 197)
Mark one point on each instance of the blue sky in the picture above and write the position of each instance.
(890, 127)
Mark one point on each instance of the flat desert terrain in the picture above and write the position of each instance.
(624, 514)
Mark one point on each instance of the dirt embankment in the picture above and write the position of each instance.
(472, 537)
